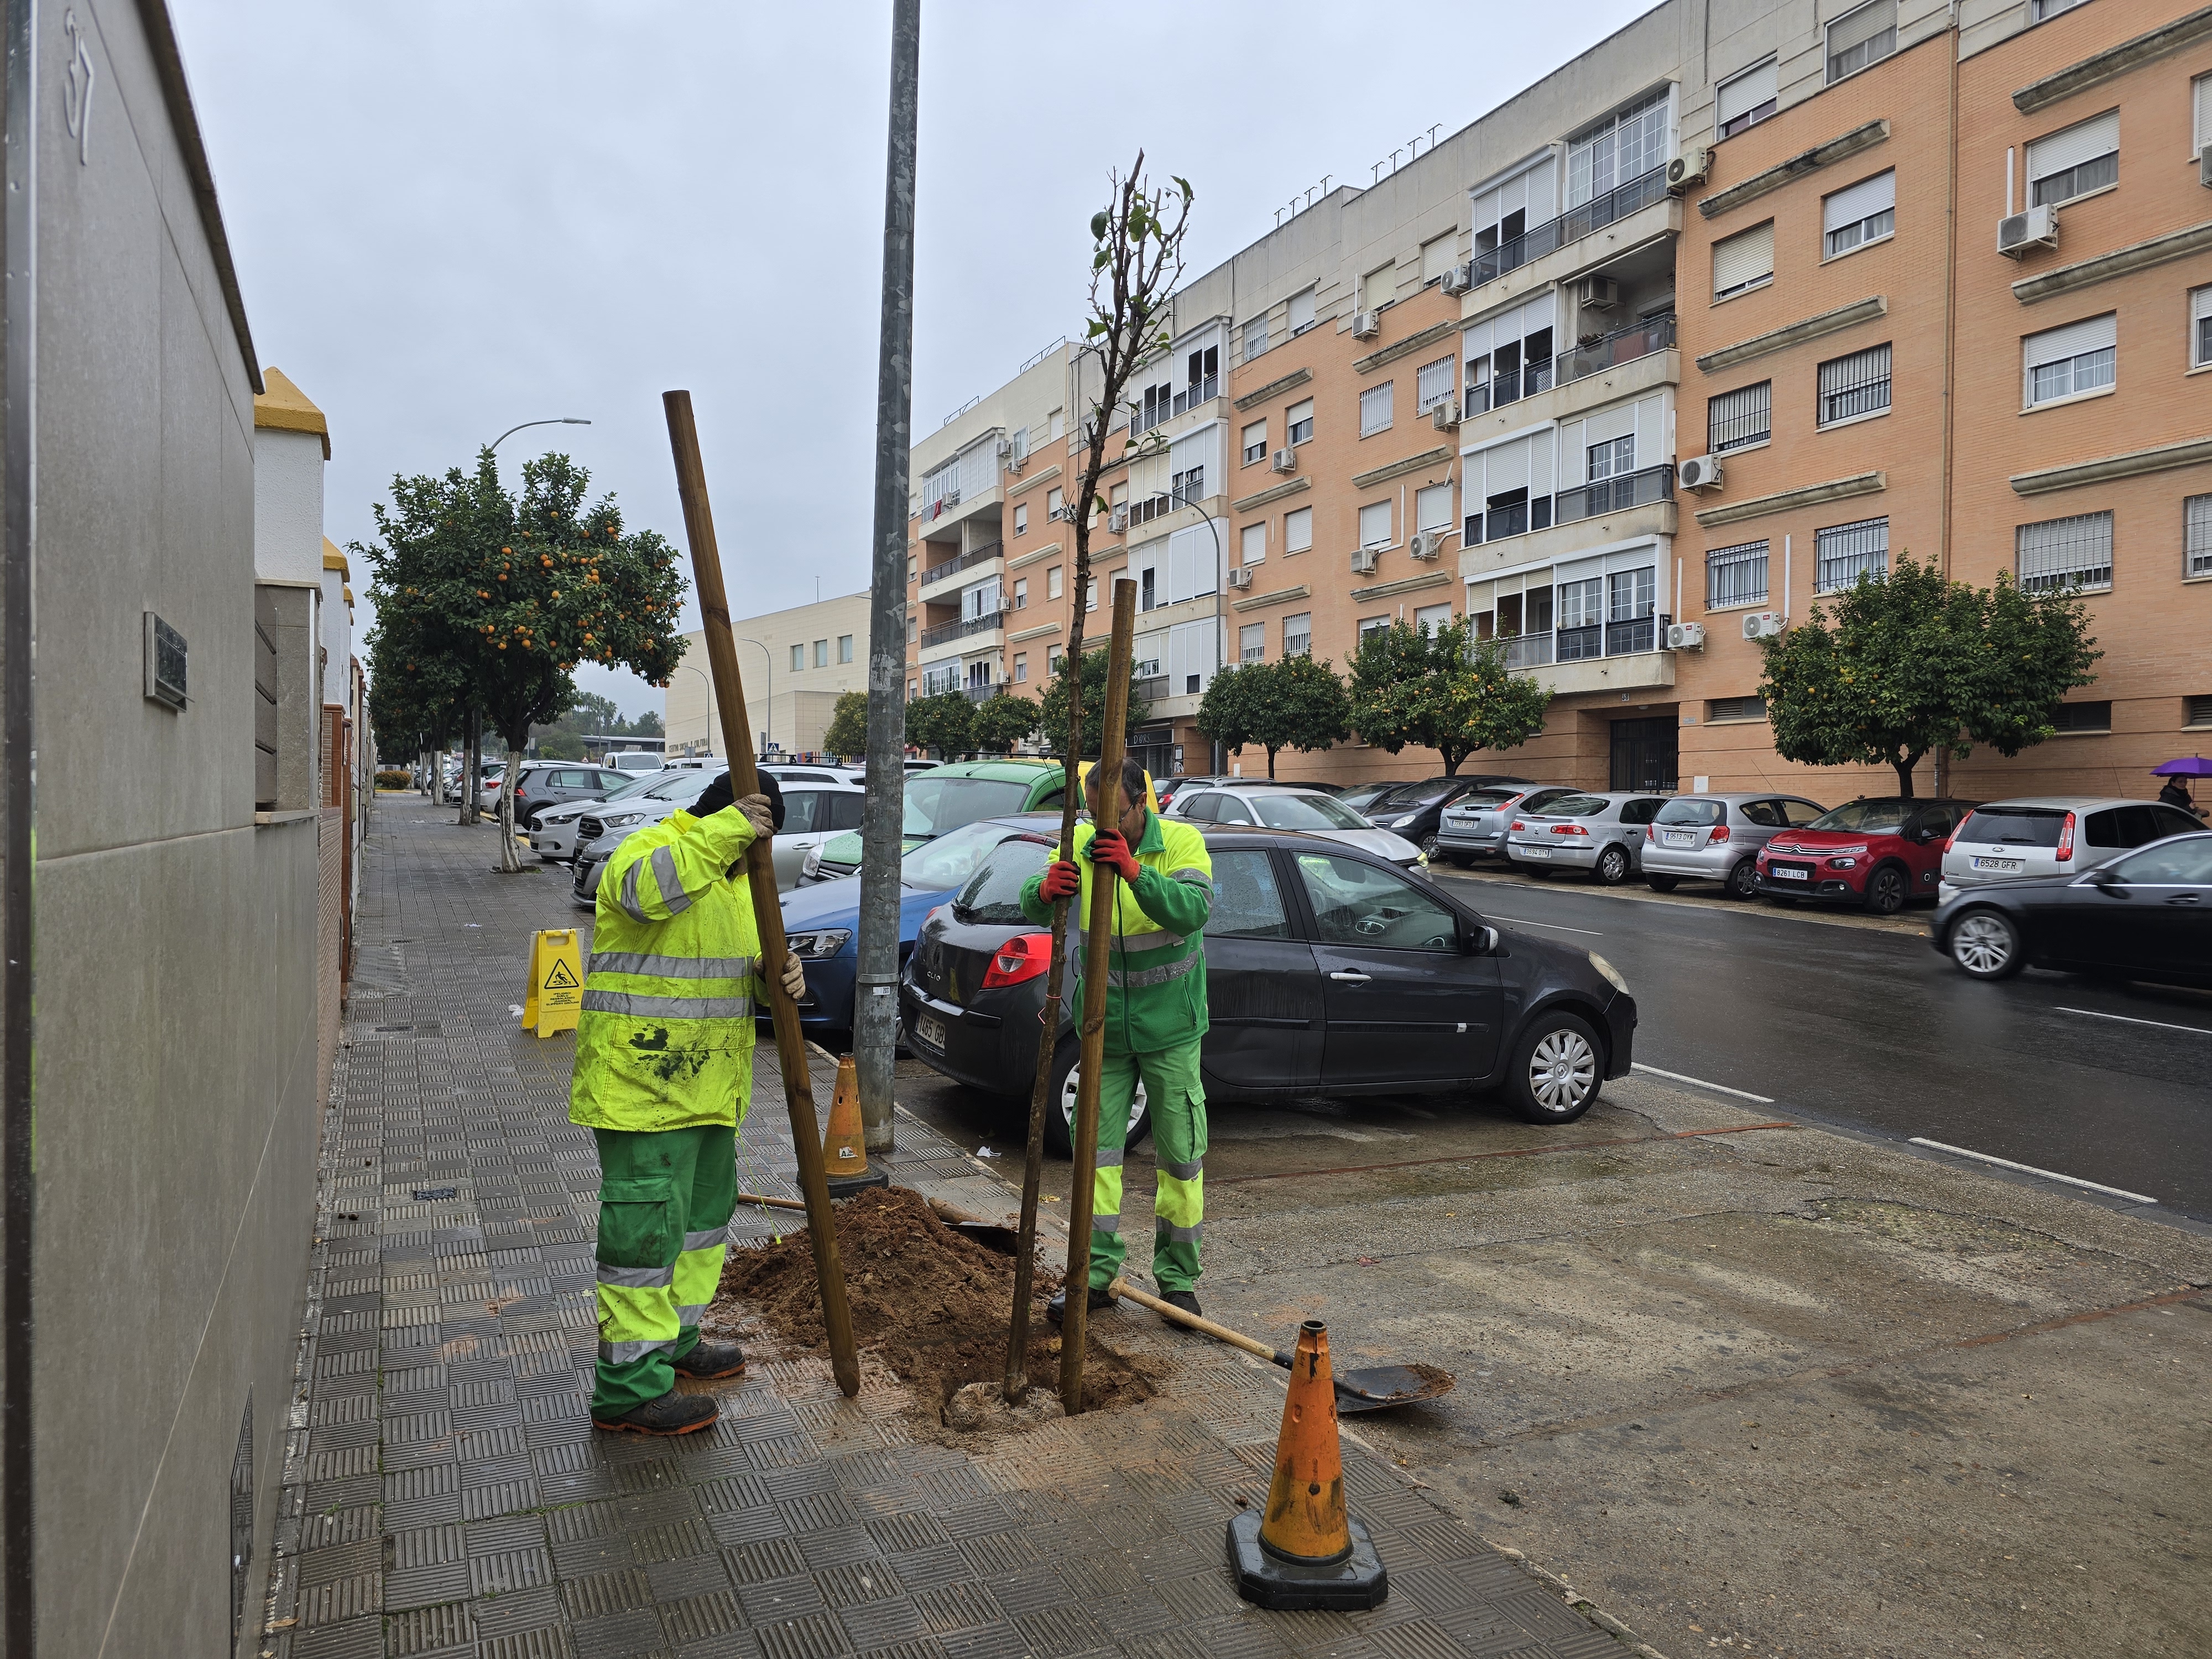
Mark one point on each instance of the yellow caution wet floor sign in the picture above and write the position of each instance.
(555, 993)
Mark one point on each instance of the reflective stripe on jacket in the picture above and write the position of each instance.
(1156, 965)
(665, 1038)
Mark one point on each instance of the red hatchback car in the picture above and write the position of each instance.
(1874, 851)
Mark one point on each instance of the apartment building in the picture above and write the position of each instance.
(1691, 331)
(796, 664)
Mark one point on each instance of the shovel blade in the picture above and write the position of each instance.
(1378, 1388)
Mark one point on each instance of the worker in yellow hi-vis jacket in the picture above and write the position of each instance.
(663, 1074)
(1155, 1018)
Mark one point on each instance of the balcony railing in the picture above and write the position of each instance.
(1527, 650)
(1514, 518)
(1150, 688)
(1587, 643)
(1639, 489)
(1623, 345)
(1572, 226)
(1515, 384)
(980, 693)
(1197, 392)
(938, 573)
(1145, 416)
(1624, 639)
(961, 630)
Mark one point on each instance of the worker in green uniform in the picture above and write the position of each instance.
(1155, 1017)
(663, 1074)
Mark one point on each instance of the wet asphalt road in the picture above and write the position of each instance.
(1871, 1028)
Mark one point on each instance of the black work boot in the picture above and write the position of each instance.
(672, 1414)
(712, 1359)
(1055, 1308)
(1186, 1300)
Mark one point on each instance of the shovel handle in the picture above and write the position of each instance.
(772, 1203)
(1204, 1327)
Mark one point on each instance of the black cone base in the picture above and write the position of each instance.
(846, 1186)
(1267, 1581)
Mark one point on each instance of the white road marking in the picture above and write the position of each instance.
(1723, 1088)
(2029, 1169)
(2127, 1019)
(1523, 921)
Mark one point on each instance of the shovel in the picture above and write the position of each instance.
(991, 1235)
(1373, 1390)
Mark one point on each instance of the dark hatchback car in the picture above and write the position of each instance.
(1416, 812)
(1329, 971)
(2145, 914)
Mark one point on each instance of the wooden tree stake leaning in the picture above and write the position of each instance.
(760, 871)
(1105, 889)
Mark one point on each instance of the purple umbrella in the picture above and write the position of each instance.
(2194, 766)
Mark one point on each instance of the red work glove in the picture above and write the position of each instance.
(1107, 847)
(1061, 880)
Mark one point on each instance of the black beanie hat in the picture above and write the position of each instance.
(719, 795)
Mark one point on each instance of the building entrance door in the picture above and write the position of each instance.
(1643, 753)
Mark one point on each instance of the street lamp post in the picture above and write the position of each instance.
(1220, 572)
(557, 420)
(768, 693)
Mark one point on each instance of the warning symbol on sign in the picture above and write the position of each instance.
(555, 995)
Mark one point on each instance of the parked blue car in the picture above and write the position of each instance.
(823, 922)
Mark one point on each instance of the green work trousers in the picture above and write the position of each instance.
(665, 1197)
(1176, 1101)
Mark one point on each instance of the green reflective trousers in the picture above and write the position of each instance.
(1176, 1100)
(666, 1197)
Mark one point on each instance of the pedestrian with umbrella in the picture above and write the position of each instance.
(2175, 793)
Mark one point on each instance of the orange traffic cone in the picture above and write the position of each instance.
(1306, 1551)
(845, 1148)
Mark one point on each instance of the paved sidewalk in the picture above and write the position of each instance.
(445, 1494)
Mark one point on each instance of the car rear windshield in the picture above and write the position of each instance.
(1692, 811)
(1304, 813)
(993, 896)
(950, 859)
(1578, 806)
(1866, 816)
(935, 805)
(1479, 798)
(2018, 826)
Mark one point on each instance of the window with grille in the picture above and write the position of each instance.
(1298, 634)
(2063, 553)
(1612, 458)
(1862, 213)
(1736, 575)
(1844, 552)
(1299, 418)
(1743, 261)
(1434, 383)
(2061, 363)
(2083, 157)
(1255, 336)
(1740, 418)
(1855, 386)
(1860, 38)
(1252, 642)
(2199, 328)
(1580, 613)
(2083, 717)
(1735, 708)
(1746, 100)
(1375, 409)
(2197, 535)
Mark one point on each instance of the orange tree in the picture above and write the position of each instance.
(506, 594)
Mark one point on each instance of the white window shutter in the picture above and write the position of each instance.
(1743, 257)
(1744, 93)
(1302, 310)
(1375, 525)
(2204, 111)
(1861, 25)
(2200, 305)
(1436, 256)
(2053, 345)
(2083, 142)
(1861, 201)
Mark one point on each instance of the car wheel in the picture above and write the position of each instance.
(1556, 1072)
(1428, 845)
(1060, 1104)
(1886, 890)
(1986, 945)
(1663, 884)
(1612, 867)
(1742, 880)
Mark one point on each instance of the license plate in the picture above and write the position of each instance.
(1679, 837)
(1999, 864)
(1535, 852)
(1783, 873)
(928, 1029)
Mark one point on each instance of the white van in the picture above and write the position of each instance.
(634, 761)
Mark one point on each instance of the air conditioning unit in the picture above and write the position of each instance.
(1240, 577)
(1444, 416)
(1700, 472)
(1688, 169)
(1459, 279)
(1682, 636)
(1597, 293)
(1760, 624)
(1363, 561)
(2205, 167)
(1062, 514)
(1005, 451)
(2037, 228)
(1286, 460)
(1366, 324)
(1425, 544)
(1118, 519)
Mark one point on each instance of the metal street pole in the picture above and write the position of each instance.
(557, 420)
(768, 695)
(882, 813)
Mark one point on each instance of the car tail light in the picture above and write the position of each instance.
(1518, 826)
(1650, 835)
(2066, 840)
(1718, 833)
(1022, 957)
(1569, 829)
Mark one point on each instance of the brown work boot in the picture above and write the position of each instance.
(672, 1414)
(712, 1359)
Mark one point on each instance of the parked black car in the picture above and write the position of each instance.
(2145, 914)
(1416, 812)
(1328, 970)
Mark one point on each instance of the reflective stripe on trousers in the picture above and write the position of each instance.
(635, 961)
(645, 1008)
(1132, 979)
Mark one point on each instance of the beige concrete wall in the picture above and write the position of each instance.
(778, 702)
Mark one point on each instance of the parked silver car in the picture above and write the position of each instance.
(817, 803)
(1274, 807)
(1475, 824)
(554, 832)
(1601, 832)
(2052, 836)
(1717, 838)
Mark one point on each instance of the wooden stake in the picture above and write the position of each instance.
(1105, 890)
(760, 872)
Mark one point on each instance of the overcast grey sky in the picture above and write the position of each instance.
(451, 217)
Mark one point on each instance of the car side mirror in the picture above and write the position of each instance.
(1480, 941)
(2106, 878)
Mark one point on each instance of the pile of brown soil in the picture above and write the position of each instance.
(931, 1304)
